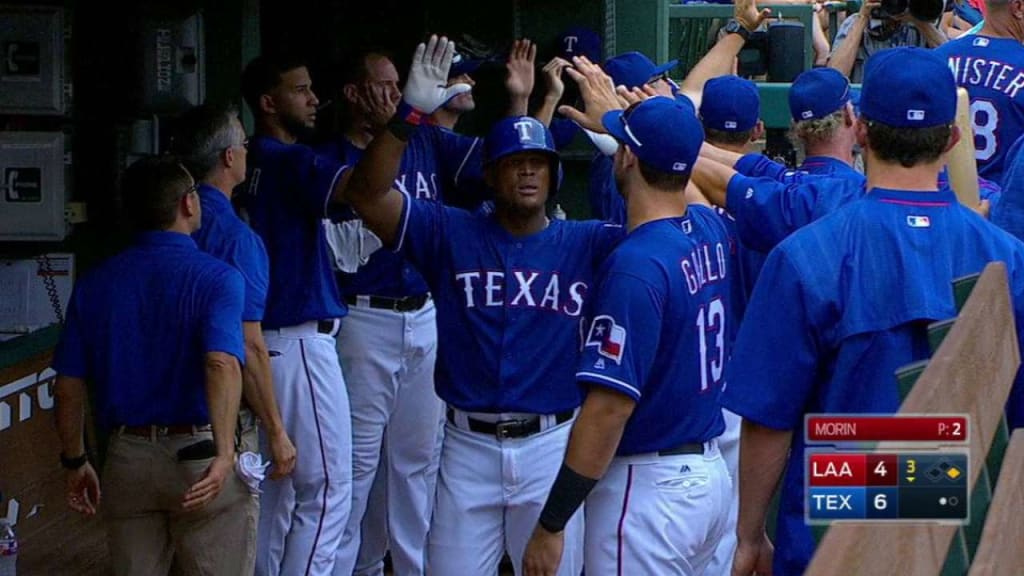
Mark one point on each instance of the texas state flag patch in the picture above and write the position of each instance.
(608, 337)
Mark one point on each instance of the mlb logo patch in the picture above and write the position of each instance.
(915, 115)
(608, 337)
(980, 41)
(680, 166)
(806, 114)
(919, 222)
(730, 125)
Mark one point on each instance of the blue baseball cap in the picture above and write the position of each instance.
(633, 69)
(908, 88)
(730, 104)
(462, 64)
(817, 93)
(580, 41)
(662, 132)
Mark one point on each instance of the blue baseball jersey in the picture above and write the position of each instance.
(432, 165)
(828, 166)
(289, 188)
(139, 326)
(659, 331)
(605, 201)
(226, 237)
(992, 71)
(843, 303)
(511, 308)
(1009, 213)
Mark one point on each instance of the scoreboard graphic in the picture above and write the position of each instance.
(846, 482)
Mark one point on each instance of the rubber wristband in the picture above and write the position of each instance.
(567, 495)
(74, 463)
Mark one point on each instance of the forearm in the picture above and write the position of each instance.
(547, 110)
(257, 386)
(717, 62)
(763, 453)
(372, 177)
(223, 392)
(845, 55)
(713, 180)
(720, 155)
(932, 35)
(69, 396)
(597, 432)
(518, 105)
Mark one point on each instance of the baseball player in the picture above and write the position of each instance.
(511, 290)
(990, 65)
(652, 364)
(849, 322)
(388, 344)
(289, 187)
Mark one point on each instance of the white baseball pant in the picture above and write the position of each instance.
(302, 517)
(388, 360)
(654, 514)
(489, 496)
(729, 445)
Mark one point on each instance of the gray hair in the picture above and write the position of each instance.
(204, 133)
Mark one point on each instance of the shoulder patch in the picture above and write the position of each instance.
(608, 337)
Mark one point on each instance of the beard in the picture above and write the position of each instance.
(297, 127)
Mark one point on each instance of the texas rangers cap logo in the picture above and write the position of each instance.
(608, 337)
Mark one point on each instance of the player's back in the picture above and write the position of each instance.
(992, 71)
(687, 268)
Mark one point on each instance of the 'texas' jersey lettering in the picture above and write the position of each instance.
(991, 74)
(418, 185)
(705, 265)
(525, 288)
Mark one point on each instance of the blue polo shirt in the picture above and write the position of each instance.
(139, 325)
(225, 236)
(288, 189)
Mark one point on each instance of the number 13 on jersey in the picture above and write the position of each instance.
(711, 331)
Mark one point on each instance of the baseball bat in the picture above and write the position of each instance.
(963, 168)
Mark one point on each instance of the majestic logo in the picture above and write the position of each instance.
(608, 337)
(919, 222)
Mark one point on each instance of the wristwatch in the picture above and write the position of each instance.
(734, 27)
(74, 463)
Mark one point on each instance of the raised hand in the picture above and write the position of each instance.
(747, 14)
(599, 95)
(553, 74)
(520, 66)
(425, 89)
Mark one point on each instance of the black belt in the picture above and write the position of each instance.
(407, 304)
(503, 429)
(688, 448)
(325, 326)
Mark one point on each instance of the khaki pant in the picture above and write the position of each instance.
(147, 530)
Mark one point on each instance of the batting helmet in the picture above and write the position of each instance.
(523, 134)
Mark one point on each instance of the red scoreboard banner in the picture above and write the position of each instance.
(824, 428)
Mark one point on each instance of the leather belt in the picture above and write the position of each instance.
(519, 428)
(407, 304)
(325, 326)
(687, 448)
(153, 430)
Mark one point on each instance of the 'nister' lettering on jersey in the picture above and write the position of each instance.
(993, 74)
(531, 289)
